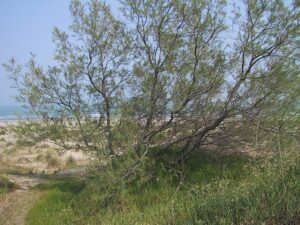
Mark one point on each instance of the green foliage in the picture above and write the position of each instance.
(5, 185)
(269, 195)
(163, 70)
(68, 185)
(71, 161)
(226, 190)
(176, 86)
(29, 133)
(55, 208)
(205, 168)
(55, 205)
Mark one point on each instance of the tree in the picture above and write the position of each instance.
(191, 73)
(88, 80)
(187, 70)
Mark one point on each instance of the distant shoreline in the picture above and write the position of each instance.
(13, 113)
(10, 118)
(6, 122)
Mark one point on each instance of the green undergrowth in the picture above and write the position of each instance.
(207, 190)
(5, 185)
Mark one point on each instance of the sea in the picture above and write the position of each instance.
(16, 112)
(13, 112)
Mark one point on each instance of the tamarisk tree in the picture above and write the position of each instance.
(196, 71)
(178, 74)
(86, 84)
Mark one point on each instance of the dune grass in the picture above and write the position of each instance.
(227, 190)
(5, 185)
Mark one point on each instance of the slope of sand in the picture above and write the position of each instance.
(15, 158)
(15, 205)
(34, 158)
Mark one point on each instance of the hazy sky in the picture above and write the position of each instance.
(26, 26)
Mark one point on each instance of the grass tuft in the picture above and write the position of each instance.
(71, 161)
(224, 190)
(52, 159)
(6, 185)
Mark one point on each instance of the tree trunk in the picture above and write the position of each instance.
(108, 126)
(143, 141)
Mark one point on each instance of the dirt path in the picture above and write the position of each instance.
(15, 205)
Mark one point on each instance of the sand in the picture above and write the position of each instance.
(33, 158)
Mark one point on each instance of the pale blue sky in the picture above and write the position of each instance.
(26, 26)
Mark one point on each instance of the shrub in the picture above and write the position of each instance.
(53, 162)
(71, 161)
(214, 191)
(40, 157)
(52, 159)
(6, 185)
(269, 195)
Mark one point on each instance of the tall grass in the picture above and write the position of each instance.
(270, 194)
(227, 190)
(5, 186)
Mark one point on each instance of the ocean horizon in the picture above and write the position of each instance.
(17, 112)
(13, 112)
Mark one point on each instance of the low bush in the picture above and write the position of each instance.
(52, 159)
(227, 190)
(71, 161)
(5, 185)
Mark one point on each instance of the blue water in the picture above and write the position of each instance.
(12, 112)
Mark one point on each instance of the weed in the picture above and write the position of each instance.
(52, 159)
(71, 161)
(40, 157)
(228, 190)
(6, 185)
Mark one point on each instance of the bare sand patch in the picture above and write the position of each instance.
(44, 157)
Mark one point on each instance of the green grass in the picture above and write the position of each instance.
(228, 190)
(55, 207)
(5, 185)
(52, 208)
